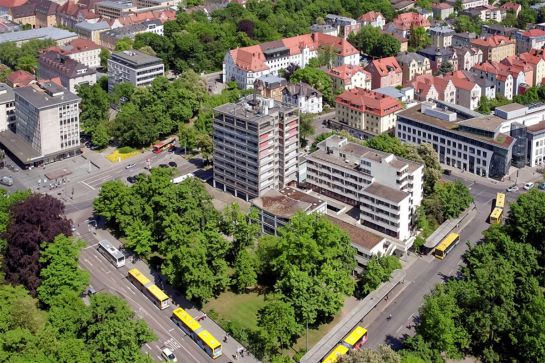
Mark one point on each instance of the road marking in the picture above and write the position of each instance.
(91, 246)
(399, 329)
(173, 344)
(87, 185)
(128, 288)
(147, 345)
(89, 262)
(170, 330)
(159, 357)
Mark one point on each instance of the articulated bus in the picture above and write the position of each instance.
(353, 341)
(446, 245)
(500, 200)
(111, 253)
(193, 329)
(155, 294)
(495, 216)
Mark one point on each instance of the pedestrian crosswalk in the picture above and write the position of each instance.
(172, 344)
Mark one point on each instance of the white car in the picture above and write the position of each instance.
(168, 355)
(528, 186)
(513, 188)
(130, 166)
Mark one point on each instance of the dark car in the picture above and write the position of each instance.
(173, 164)
(163, 165)
(447, 171)
(541, 186)
(131, 179)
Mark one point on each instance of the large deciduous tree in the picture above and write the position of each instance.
(39, 219)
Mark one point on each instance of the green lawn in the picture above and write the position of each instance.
(241, 308)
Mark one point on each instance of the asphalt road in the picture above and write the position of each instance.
(427, 271)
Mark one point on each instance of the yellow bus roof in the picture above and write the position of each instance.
(209, 339)
(496, 213)
(186, 319)
(158, 293)
(139, 276)
(447, 241)
(355, 335)
(340, 350)
(500, 200)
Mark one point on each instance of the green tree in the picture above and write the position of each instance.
(246, 265)
(95, 105)
(525, 220)
(382, 354)
(104, 56)
(446, 67)
(124, 44)
(100, 135)
(464, 23)
(313, 261)
(419, 38)
(61, 273)
(424, 4)
(379, 270)
(113, 333)
(317, 79)
(187, 135)
(5, 71)
(148, 50)
(305, 127)
(449, 200)
(371, 41)
(277, 318)
(27, 63)
(526, 16)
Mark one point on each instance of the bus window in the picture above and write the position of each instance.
(446, 245)
(111, 253)
(495, 216)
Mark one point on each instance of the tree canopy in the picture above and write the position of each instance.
(372, 41)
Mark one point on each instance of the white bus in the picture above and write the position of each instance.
(111, 253)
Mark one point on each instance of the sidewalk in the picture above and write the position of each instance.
(229, 348)
(525, 175)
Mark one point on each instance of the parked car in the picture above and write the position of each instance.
(172, 164)
(7, 180)
(132, 165)
(513, 188)
(541, 186)
(528, 186)
(168, 355)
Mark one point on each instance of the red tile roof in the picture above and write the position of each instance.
(534, 33)
(162, 15)
(407, 20)
(370, 16)
(460, 82)
(442, 6)
(530, 58)
(346, 72)
(11, 3)
(492, 41)
(501, 71)
(386, 65)
(20, 79)
(511, 6)
(369, 102)
(253, 59)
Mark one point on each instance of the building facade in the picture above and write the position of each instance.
(7, 108)
(83, 51)
(349, 76)
(495, 48)
(71, 73)
(464, 139)
(530, 39)
(245, 65)
(303, 96)
(255, 146)
(385, 72)
(47, 120)
(133, 67)
(387, 189)
(367, 111)
(413, 64)
(441, 36)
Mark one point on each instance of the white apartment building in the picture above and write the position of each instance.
(464, 139)
(7, 107)
(245, 65)
(255, 146)
(468, 4)
(536, 144)
(349, 76)
(133, 67)
(386, 188)
(81, 50)
(114, 9)
(303, 96)
(47, 124)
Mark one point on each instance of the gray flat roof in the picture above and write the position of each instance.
(101, 25)
(18, 146)
(116, 4)
(38, 98)
(135, 57)
(511, 107)
(49, 32)
(6, 94)
(386, 193)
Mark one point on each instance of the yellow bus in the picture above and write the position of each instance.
(446, 245)
(495, 216)
(500, 200)
(356, 338)
(138, 279)
(195, 331)
(142, 283)
(210, 344)
(333, 357)
(158, 297)
(186, 322)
